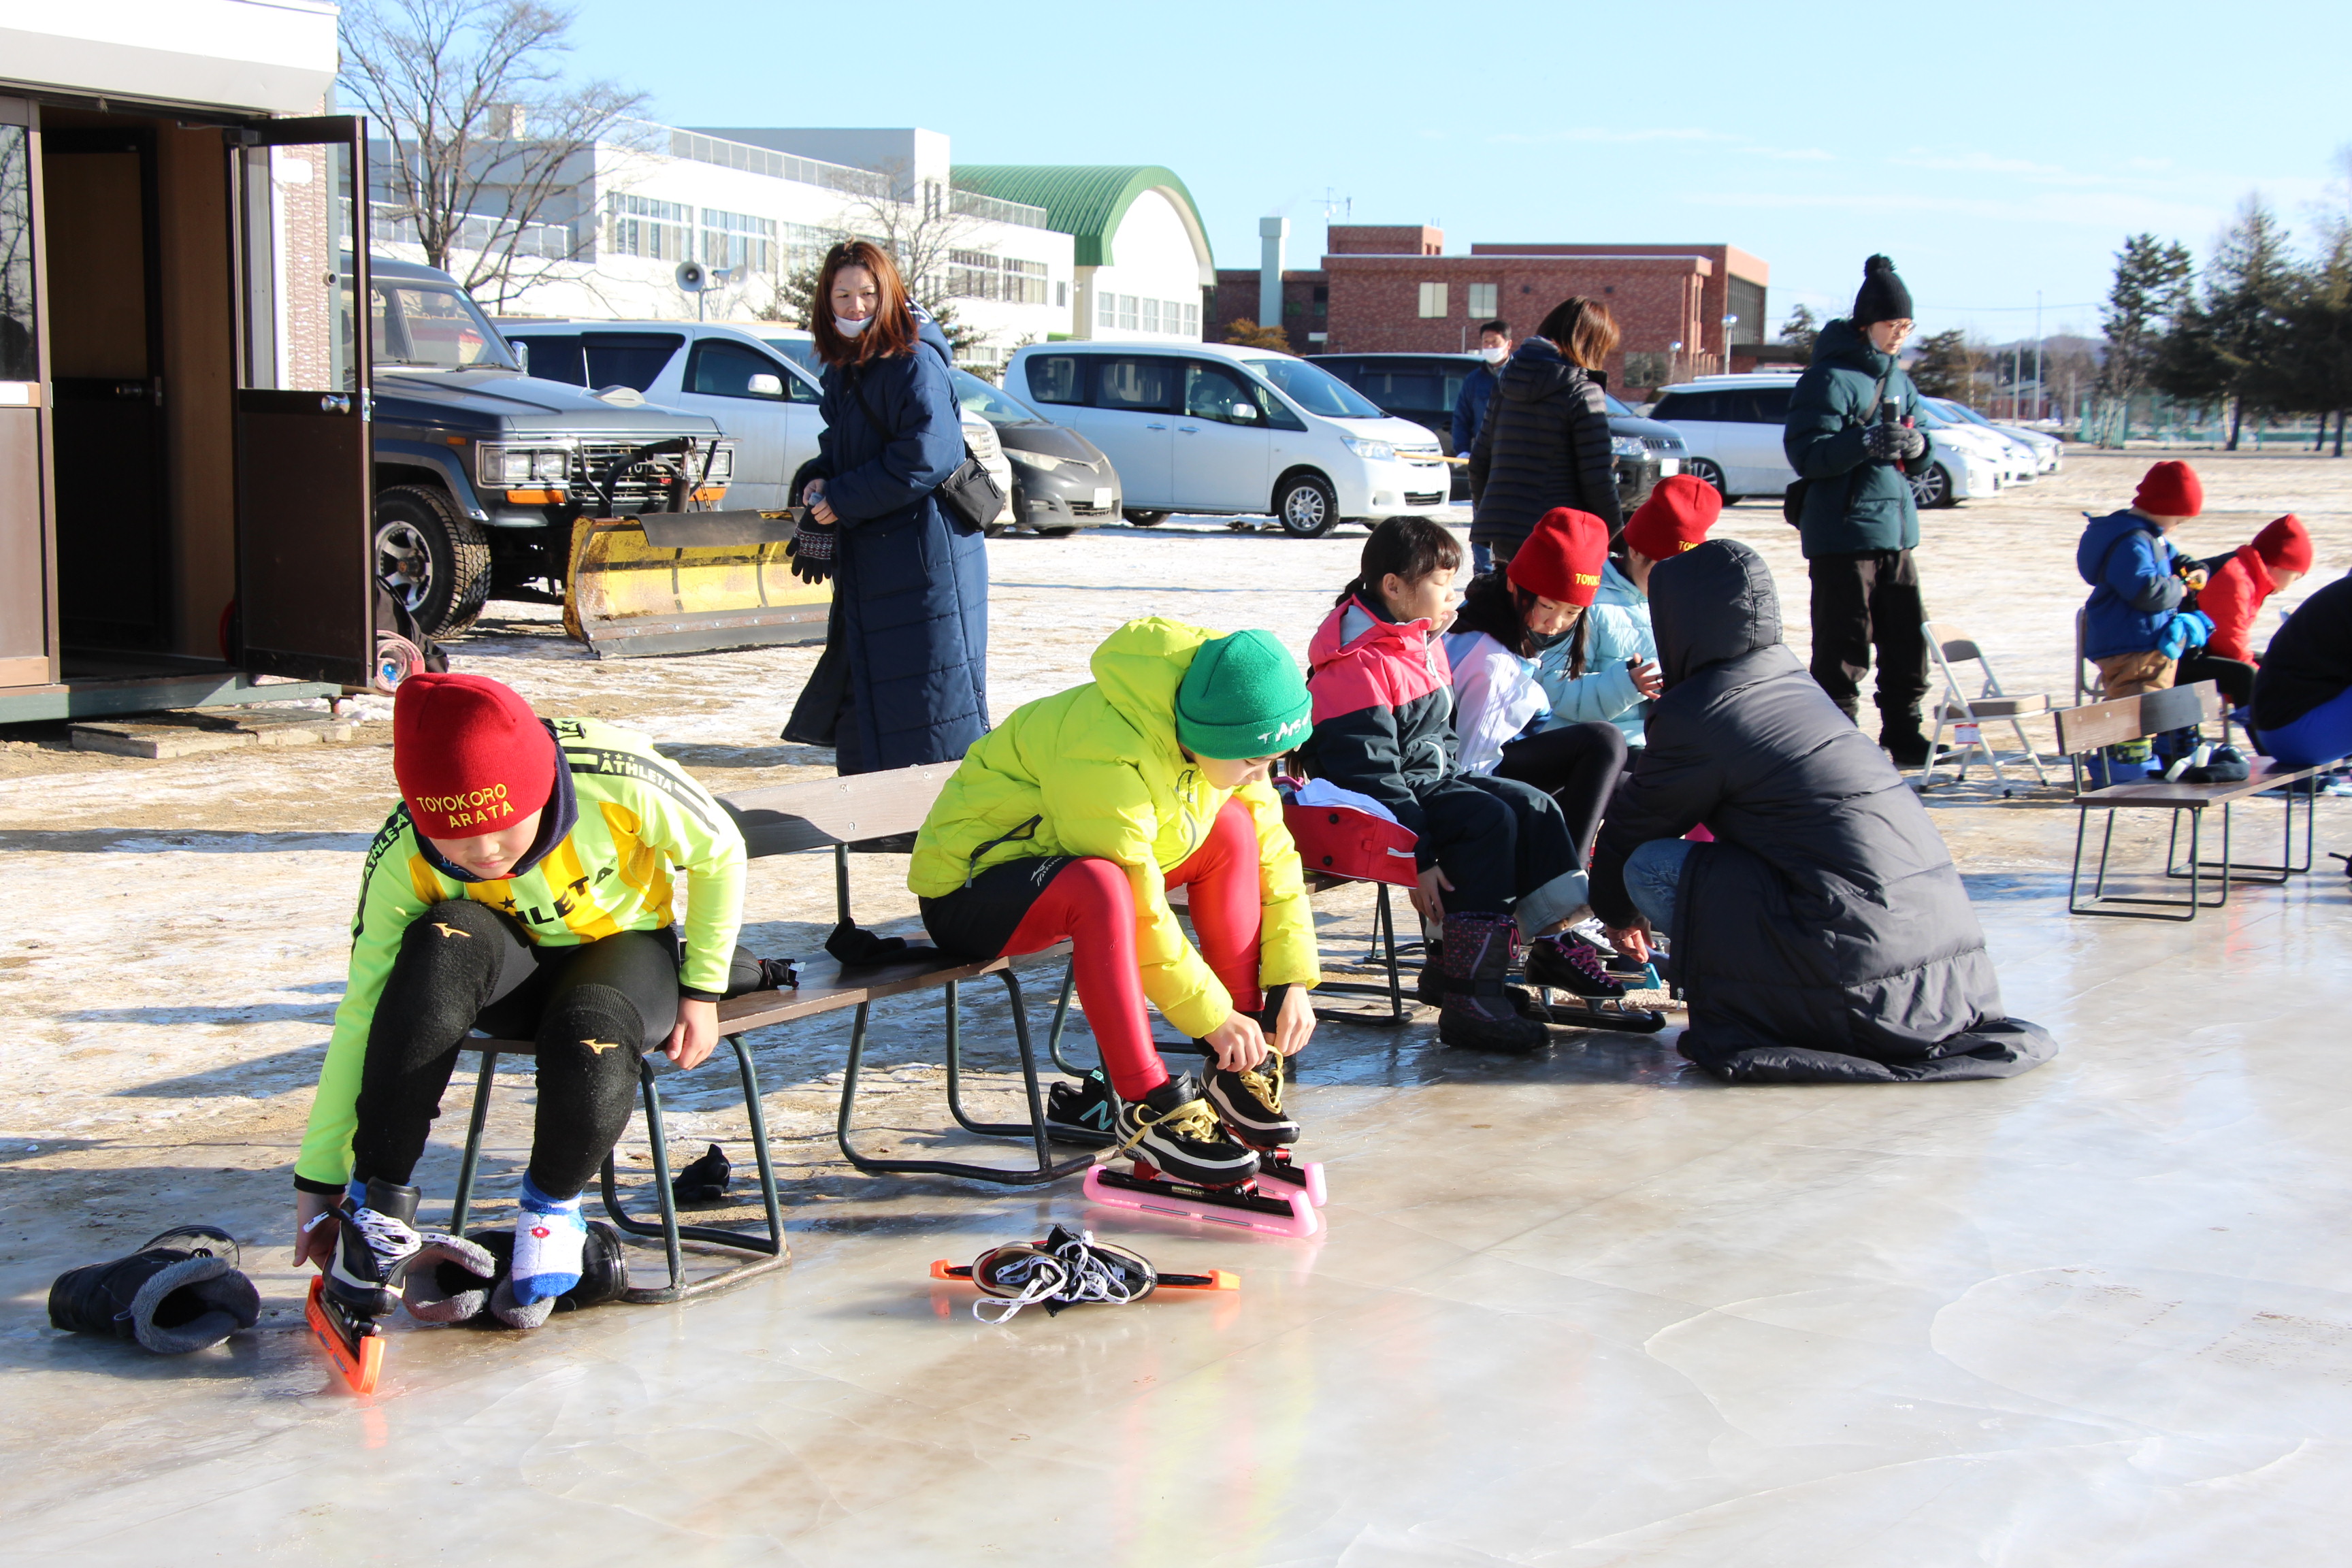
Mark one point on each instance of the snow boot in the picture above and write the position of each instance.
(373, 1245)
(1481, 952)
(1430, 990)
(180, 1292)
(604, 1276)
(448, 1280)
(1905, 743)
(1573, 965)
(1176, 1132)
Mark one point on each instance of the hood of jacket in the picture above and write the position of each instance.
(1709, 606)
(1355, 627)
(1840, 342)
(2102, 537)
(1616, 588)
(1535, 371)
(1138, 670)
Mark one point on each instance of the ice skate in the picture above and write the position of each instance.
(1067, 1269)
(1480, 952)
(1249, 1102)
(1572, 964)
(1186, 1166)
(374, 1244)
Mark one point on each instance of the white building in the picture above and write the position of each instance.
(1141, 253)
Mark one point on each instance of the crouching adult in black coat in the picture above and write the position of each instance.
(1824, 935)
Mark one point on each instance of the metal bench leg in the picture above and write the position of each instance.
(462, 1204)
(1388, 953)
(971, 1173)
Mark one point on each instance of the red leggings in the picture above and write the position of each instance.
(1091, 903)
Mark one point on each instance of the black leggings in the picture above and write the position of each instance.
(2235, 677)
(593, 1010)
(1577, 766)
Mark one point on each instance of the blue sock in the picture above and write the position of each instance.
(550, 1236)
(356, 1190)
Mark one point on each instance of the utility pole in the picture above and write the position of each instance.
(2038, 399)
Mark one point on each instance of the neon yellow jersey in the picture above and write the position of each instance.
(640, 818)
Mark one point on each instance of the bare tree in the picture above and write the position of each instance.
(491, 145)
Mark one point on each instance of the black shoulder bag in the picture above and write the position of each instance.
(970, 496)
(1792, 499)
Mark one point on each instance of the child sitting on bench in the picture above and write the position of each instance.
(1497, 862)
(1072, 820)
(522, 888)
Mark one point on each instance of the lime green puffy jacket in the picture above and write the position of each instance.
(1097, 770)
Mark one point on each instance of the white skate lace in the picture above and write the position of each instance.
(1071, 1272)
(390, 1242)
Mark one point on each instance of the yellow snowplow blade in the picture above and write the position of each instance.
(687, 582)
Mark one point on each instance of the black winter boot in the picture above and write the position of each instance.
(1430, 989)
(180, 1292)
(1905, 742)
(1481, 952)
(604, 1272)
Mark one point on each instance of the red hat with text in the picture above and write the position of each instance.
(471, 755)
(1676, 518)
(1562, 560)
(2285, 545)
(2171, 489)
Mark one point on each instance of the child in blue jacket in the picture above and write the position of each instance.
(2134, 627)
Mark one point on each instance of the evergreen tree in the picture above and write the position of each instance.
(2220, 346)
(1946, 367)
(2311, 364)
(2150, 290)
(1801, 329)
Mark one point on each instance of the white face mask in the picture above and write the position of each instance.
(1494, 354)
(848, 328)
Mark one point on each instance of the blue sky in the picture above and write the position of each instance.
(1993, 150)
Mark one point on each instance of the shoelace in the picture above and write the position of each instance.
(1193, 1119)
(1588, 963)
(1268, 1087)
(389, 1241)
(1071, 1272)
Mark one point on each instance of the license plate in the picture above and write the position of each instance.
(1669, 466)
(1102, 500)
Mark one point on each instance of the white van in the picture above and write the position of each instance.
(1210, 427)
(1733, 425)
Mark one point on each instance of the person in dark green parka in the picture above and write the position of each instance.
(1859, 523)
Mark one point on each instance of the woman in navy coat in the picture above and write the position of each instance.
(903, 679)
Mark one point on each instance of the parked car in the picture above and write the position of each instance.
(1061, 481)
(1212, 427)
(762, 397)
(481, 469)
(1424, 387)
(1733, 424)
(2017, 462)
(2049, 452)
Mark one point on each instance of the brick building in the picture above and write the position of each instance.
(1392, 288)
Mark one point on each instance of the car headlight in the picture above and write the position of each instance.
(1627, 447)
(722, 463)
(1043, 462)
(500, 465)
(1371, 451)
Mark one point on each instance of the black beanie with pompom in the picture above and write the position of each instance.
(1883, 297)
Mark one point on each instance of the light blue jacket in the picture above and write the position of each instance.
(1618, 630)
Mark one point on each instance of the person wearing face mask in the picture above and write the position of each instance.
(1544, 441)
(1470, 411)
(1858, 521)
(1072, 819)
(904, 676)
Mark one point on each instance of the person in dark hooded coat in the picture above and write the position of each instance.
(1824, 934)
(904, 676)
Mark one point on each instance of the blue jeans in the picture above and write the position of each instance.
(1653, 875)
(1482, 560)
(2321, 735)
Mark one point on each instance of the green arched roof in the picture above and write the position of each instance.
(1085, 200)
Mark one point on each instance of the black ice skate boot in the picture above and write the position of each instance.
(1573, 965)
(1175, 1132)
(180, 1292)
(373, 1246)
(1481, 951)
(1250, 1101)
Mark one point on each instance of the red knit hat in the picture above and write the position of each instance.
(2171, 489)
(1676, 518)
(1562, 560)
(471, 755)
(2285, 545)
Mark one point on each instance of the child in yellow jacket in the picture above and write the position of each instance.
(1074, 817)
(521, 885)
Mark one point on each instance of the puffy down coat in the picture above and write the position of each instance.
(1544, 442)
(1855, 502)
(1097, 770)
(1383, 710)
(1824, 935)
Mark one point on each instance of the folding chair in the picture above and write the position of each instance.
(1967, 715)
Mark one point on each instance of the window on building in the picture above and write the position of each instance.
(1191, 318)
(637, 225)
(1062, 295)
(1128, 312)
(730, 240)
(804, 246)
(1106, 312)
(1151, 315)
(1747, 304)
(1432, 299)
(973, 275)
(1481, 301)
(1024, 281)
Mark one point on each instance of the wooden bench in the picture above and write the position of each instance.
(2088, 728)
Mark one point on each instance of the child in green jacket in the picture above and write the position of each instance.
(522, 888)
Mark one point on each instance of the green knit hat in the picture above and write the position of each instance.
(1243, 697)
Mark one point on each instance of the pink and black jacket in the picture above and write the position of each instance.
(1383, 710)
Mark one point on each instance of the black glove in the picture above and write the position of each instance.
(810, 551)
(1913, 445)
(1883, 443)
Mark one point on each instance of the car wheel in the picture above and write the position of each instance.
(1306, 506)
(431, 558)
(1933, 488)
(1702, 469)
(1147, 518)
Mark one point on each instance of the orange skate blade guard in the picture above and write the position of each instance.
(357, 1357)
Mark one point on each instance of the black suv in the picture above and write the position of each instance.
(480, 470)
(1425, 388)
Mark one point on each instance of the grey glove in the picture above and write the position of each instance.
(1914, 443)
(1883, 443)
